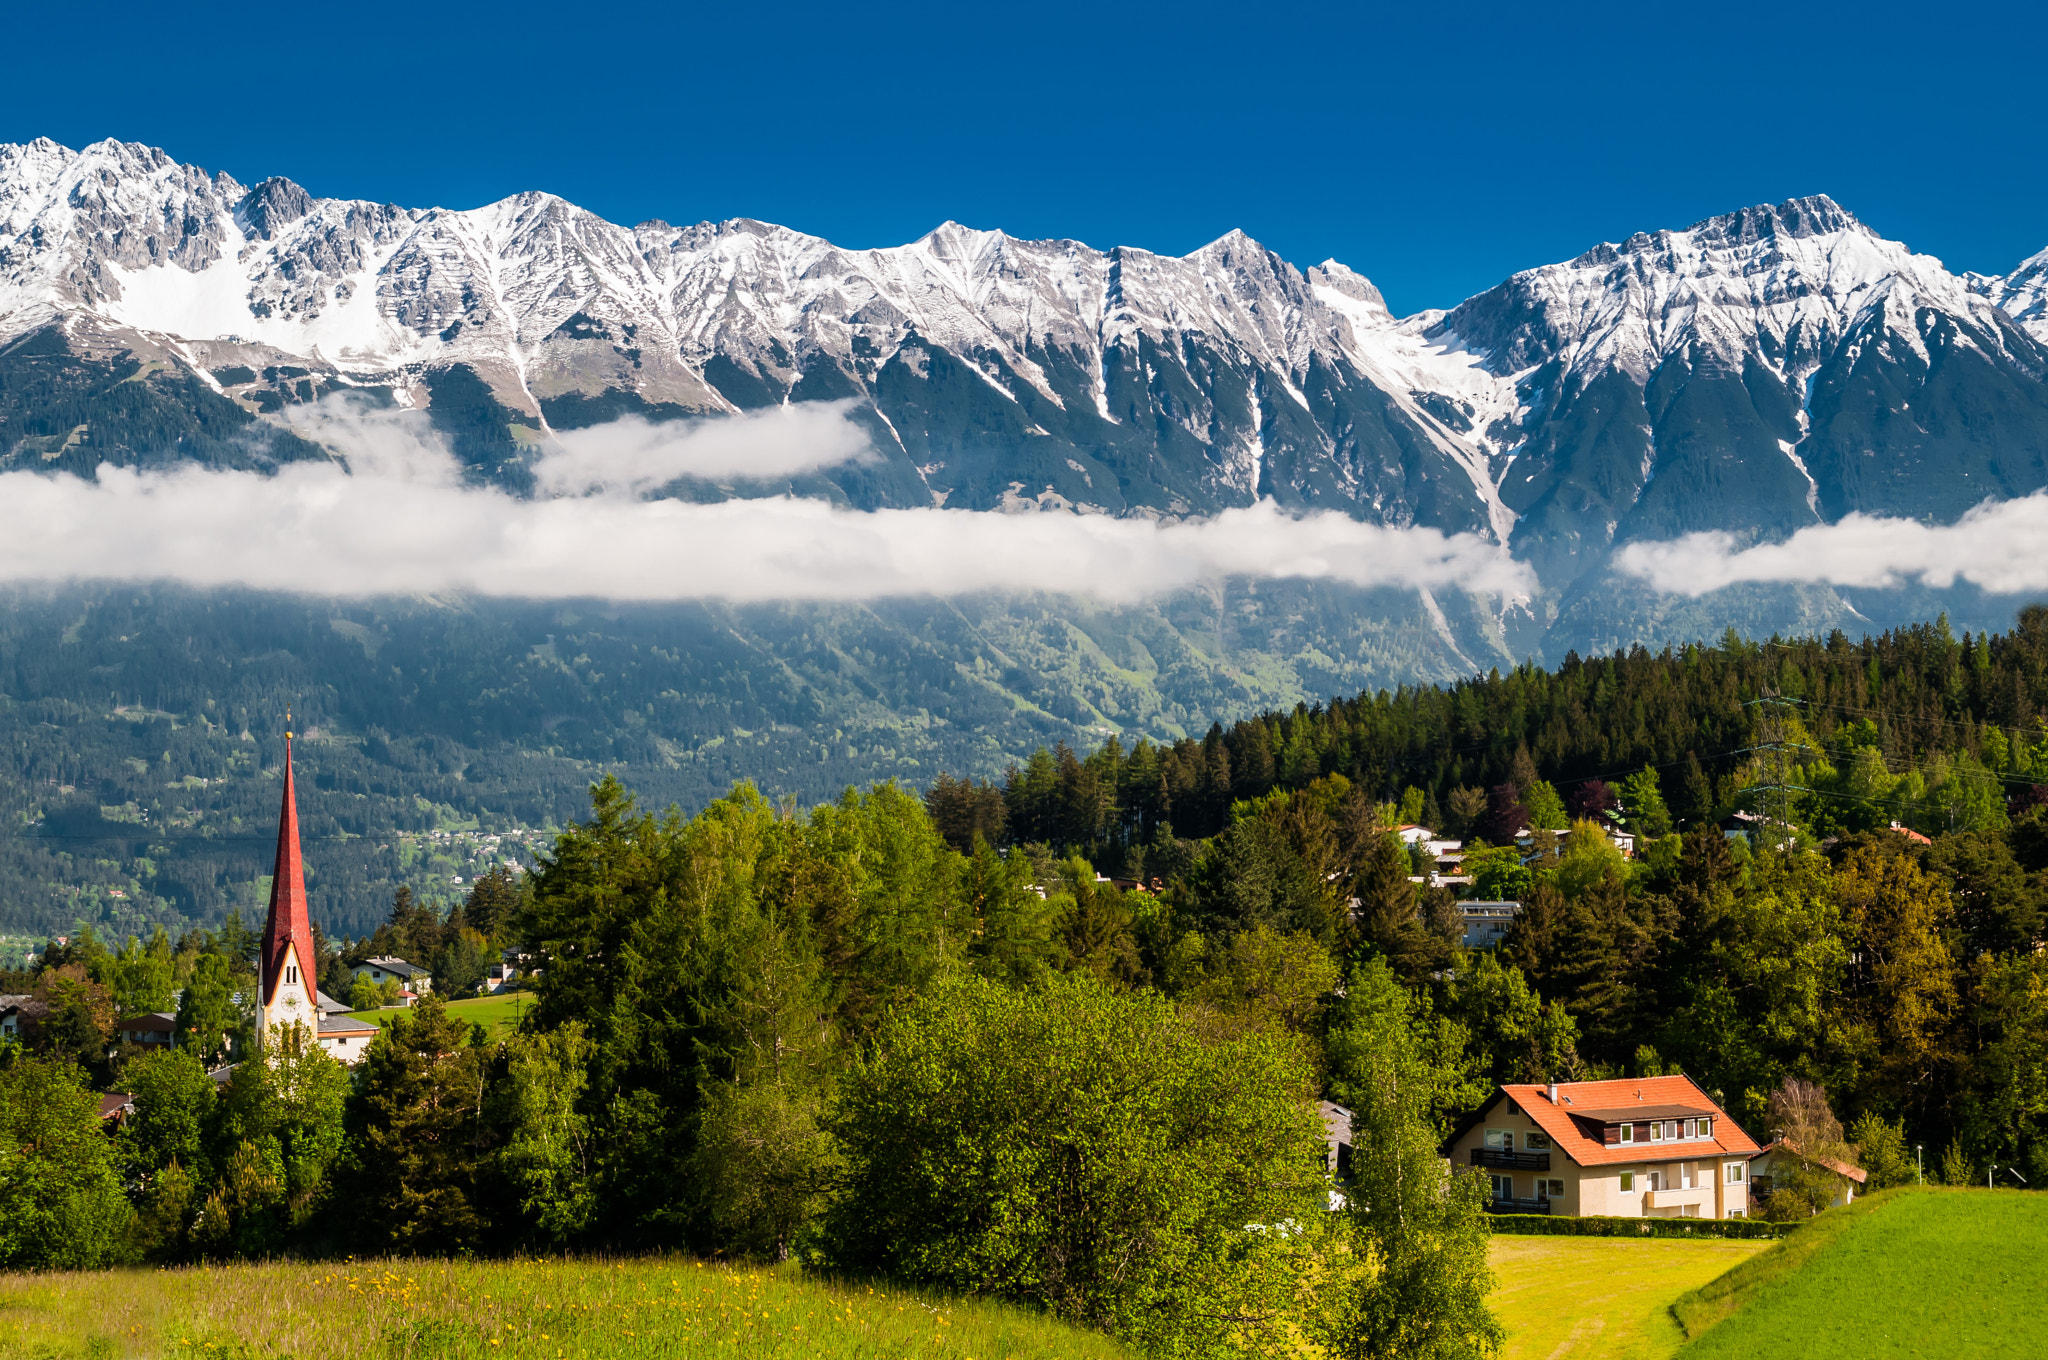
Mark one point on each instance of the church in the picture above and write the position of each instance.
(289, 992)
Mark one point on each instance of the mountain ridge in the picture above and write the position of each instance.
(1758, 371)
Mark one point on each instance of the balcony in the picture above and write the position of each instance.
(1511, 1161)
(1670, 1197)
(1497, 1205)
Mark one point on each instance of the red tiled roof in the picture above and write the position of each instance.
(1854, 1173)
(1610, 1099)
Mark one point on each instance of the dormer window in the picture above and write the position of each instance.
(1628, 1133)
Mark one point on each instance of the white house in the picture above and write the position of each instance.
(410, 977)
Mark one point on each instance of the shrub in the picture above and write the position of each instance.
(1559, 1225)
(1090, 1153)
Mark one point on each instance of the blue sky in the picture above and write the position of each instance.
(1434, 148)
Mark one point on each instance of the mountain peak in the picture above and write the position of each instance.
(1795, 218)
(274, 204)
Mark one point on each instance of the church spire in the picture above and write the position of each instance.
(290, 971)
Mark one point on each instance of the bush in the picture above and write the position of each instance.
(61, 1204)
(1560, 1225)
(1090, 1153)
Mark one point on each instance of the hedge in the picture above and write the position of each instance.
(1562, 1225)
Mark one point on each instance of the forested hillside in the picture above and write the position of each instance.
(140, 728)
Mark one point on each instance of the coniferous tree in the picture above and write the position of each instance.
(419, 1137)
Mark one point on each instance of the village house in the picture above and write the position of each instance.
(157, 1029)
(1848, 1180)
(1487, 923)
(411, 978)
(1638, 1147)
(342, 1036)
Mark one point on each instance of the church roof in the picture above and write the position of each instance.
(289, 928)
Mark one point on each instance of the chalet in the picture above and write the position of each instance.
(154, 1030)
(1648, 1147)
(345, 1038)
(1486, 923)
(410, 977)
(10, 1014)
(341, 1036)
(1848, 1180)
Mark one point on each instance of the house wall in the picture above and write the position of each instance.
(347, 1048)
(1521, 1126)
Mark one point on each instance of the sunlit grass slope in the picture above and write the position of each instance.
(1600, 1296)
(1910, 1272)
(670, 1308)
(499, 1014)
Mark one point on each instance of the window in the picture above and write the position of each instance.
(1736, 1213)
(1536, 1142)
(1671, 1129)
(1706, 1128)
(1628, 1182)
(1628, 1133)
(1692, 1128)
(1554, 1189)
(1500, 1140)
(1656, 1180)
(1689, 1211)
(1503, 1187)
(1735, 1173)
(1656, 1130)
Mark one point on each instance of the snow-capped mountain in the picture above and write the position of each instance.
(1756, 371)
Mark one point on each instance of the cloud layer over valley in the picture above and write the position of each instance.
(393, 516)
(2000, 547)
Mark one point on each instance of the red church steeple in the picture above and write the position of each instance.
(289, 968)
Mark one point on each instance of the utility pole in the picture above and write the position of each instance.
(1776, 805)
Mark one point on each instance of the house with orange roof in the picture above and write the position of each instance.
(1848, 1180)
(1647, 1147)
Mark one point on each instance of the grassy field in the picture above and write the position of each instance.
(500, 1014)
(1911, 1272)
(660, 1309)
(1599, 1296)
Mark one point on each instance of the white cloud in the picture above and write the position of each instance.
(393, 516)
(632, 454)
(2001, 546)
(316, 529)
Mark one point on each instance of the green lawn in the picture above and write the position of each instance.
(656, 1308)
(1911, 1272)
(500, 1014)
(1608, 1297)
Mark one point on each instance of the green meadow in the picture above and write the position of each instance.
(1606, 1297)
(498, 1014)
(670, 1308)
(1910, 1272)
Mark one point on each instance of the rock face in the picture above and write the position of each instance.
(1756, 372)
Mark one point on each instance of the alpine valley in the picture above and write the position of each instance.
(1772, 368)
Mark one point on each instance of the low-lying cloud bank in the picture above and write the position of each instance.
(2000, 547)
(397, 519)
(635, 455)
